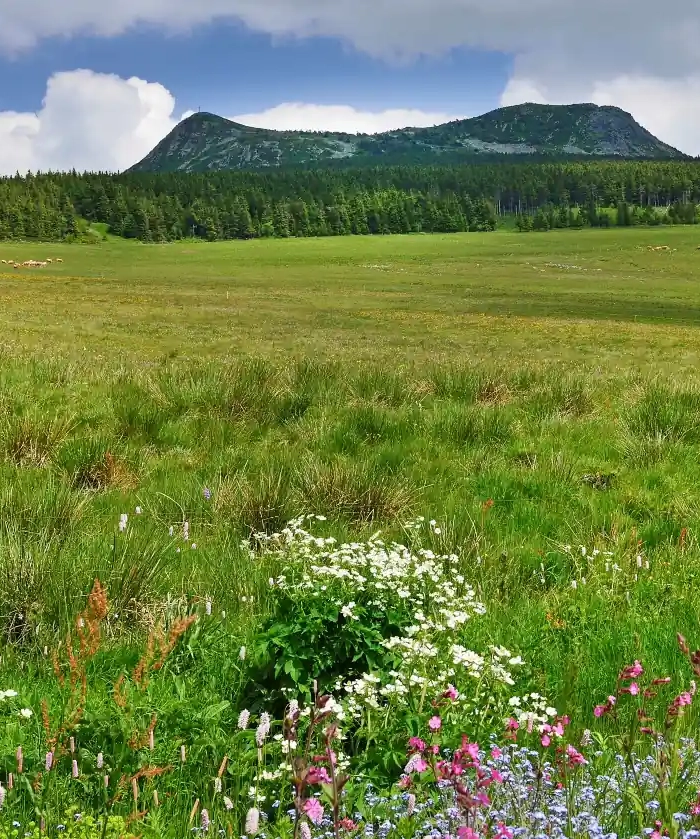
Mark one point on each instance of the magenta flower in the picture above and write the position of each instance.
(314, 810)
(502, 832)
(632, 671)
(512, 724)
(467, 833)
(575, 757)
(451, 693)
(417, 744)
(435, 724)
(546, 740)
(318, 775)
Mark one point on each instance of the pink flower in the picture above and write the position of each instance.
(496, 753)
(318, 775)
(348, 824)
(575, 757)
(631, 671)
(502, 832)
(546, 740)
(417, 744)
(451, 693)
(472, 749)
(435, 723)
(512, 724)
(415, 764)
(466, 833)
(634, 689)
(314, 810)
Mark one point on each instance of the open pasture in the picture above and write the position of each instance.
(536, 395)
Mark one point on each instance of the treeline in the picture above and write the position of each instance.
(623, 214)
(330, 202)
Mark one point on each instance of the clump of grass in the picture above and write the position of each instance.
(257, 502)
(471, 425)
(664, 413)
(32, 439)
(89, 463)
(353, 490)
(561, 395)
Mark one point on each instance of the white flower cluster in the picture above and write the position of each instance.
(531, 710)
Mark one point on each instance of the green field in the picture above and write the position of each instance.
(528, 391)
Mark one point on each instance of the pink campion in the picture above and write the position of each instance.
(467, 833)
(314, 810)
(415, 764)
(546, 740)
(472, 749)
(502, 832)
(599, 710)
(435, 723)
(347, 824)
(496, 753)
(451, 693)
(404, 782)
(318, 775)
(631, 671)
(575, 757)
(417, 744)
(512, 724)
(664, 681)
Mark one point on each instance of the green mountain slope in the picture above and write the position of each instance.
(206, 142)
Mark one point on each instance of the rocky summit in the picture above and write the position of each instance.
(205, 142)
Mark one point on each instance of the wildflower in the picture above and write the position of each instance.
(217, 786)
(263, 729)
(49, 761)
(243, 719)
(171, 530)
(348, 824)
(20, 760)
(100, 760)
(74, 769)
(183, 754)
(575, 757)
(415, 764)
(632, 671)
(502, 832)
(411, 805)
(435, 724)
(207, 607)
(123, 520)
(451, 693)
(586, 737)
(3, 793)
(305, 830)
(467, 833)
(26, 713)
(314, 810)
(205, 821)
(242, 654)
(8, 694)
(206, 492)
(228, 804)
(417, 744)
(252, 821)
(138, 511)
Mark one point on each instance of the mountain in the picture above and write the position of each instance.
(206, 142)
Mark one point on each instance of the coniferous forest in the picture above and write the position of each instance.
(333, 202)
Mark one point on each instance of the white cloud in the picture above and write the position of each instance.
(299, 116)
(88, 121)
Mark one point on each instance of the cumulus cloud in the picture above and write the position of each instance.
(300, 116)
(88, 121)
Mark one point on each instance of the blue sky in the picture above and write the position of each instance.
(95, 86)
(228, 69)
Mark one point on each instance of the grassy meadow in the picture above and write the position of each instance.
(537, 395)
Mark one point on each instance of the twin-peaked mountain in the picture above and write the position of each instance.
(205, 142)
